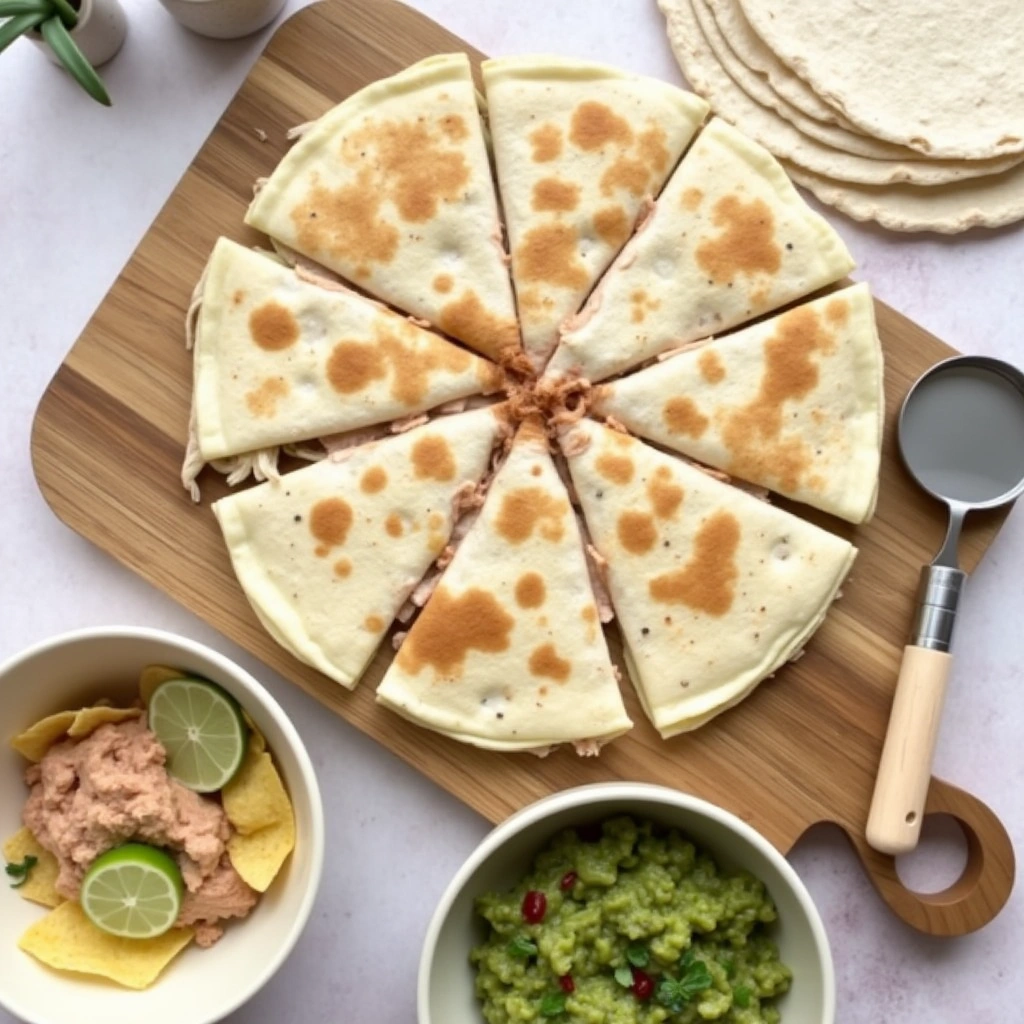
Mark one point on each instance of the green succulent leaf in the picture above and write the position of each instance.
(9, 8)
(67, 51)
(67, 13)
(17, 26)
(637, 955)
(624, 976)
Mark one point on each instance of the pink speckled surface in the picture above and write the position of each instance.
(80, 186)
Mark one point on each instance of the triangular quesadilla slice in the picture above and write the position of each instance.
(729, 240)
(508, 653)
(713, 588)
(279, 359)
(327, 555)
(580, 149)
(793, 403)
(392, 189)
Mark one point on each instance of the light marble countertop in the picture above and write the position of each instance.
(78, 188)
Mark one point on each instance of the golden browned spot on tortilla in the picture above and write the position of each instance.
(665, 496)
(691, 198)
(393, 525)
(589, 613)
(329, 523)
(617, 437)
(753, 433)
(707, 582)
(342, 567)
(467, 319)
(536, 471)
(594, 125)
(642, 304)
(238, 298)
(449, 627)
(413, 363)
(534, 302)
(454, 126)
(555, 196)
(710, 366)
(529, 508)
(629, 173)
(546, 141)
(432, 459)
(262, 402)
(443, 283)
(355, 365)
(544, 661)
(530, 590)
(637, 532)
(653, 151)
(612, 225)
(682, 416)
(273, 327)
(374, 623)
(548, 253)
(374, 480)
(746, 244)
(435, 521)
(837, 312)
(618, 469)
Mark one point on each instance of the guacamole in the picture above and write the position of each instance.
(629, 923)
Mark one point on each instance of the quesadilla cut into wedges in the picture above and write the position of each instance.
(793, 403)
(328, 554)
(508, 653)
(713, 588)
(392, 189)
(580, 150)
(729, 240)
(280, 360)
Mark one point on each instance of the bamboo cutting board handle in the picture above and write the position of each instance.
(901, 788)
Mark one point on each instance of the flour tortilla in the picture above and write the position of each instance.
(946, 79)
(714, 589)
(508, 653)
(793, 403)
(578, 147)
(392, 189)
(729, 240)
(328, 554)
(279, 360)
(947, 209)
(707, 75)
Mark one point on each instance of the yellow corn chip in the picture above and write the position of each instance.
(257, 741)
(40, 886)
(88, 720)
(68, 940)
(37, 739)
(255, 798)
(153, 676)
(258, 857)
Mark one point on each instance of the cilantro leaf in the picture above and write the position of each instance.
(695, 979)
(624, 976)
(730, 967)
(521, 947)
(20, 872)
(637, 955)
(741, 996)
(553, 1004)
(668, 994)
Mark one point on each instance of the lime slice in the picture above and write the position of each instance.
(133, 891)
(202, 729)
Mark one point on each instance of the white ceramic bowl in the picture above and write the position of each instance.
(200, 986)
(445, 990)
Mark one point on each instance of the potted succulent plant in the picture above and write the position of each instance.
(80, 35)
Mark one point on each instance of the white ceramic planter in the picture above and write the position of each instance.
(99, 33)
(224, 19)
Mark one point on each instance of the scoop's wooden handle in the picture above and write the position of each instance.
(901, 788)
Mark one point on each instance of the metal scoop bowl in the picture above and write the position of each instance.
(961, 436)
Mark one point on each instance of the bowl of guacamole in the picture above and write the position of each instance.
(625, 903)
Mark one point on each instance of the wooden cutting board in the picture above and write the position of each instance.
(110, 433)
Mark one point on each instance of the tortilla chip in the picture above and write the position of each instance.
(258, 857)
(255, 798)
(257, 741)
(41, 884)
(37, 739)
(153, 676)
(67, 940)
(88, 720)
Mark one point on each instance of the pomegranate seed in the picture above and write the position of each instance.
(535, 906)
(567, 984)
(568, 881)
(643, 985)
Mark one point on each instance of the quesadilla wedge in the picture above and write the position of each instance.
(580, 149)
(713, 588)
(508, 653)
(279, 359)
(729, 240)
(328, 554)
(392, 189)
(793, 403)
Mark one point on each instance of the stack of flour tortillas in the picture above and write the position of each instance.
(908, 113)
(502, 440)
